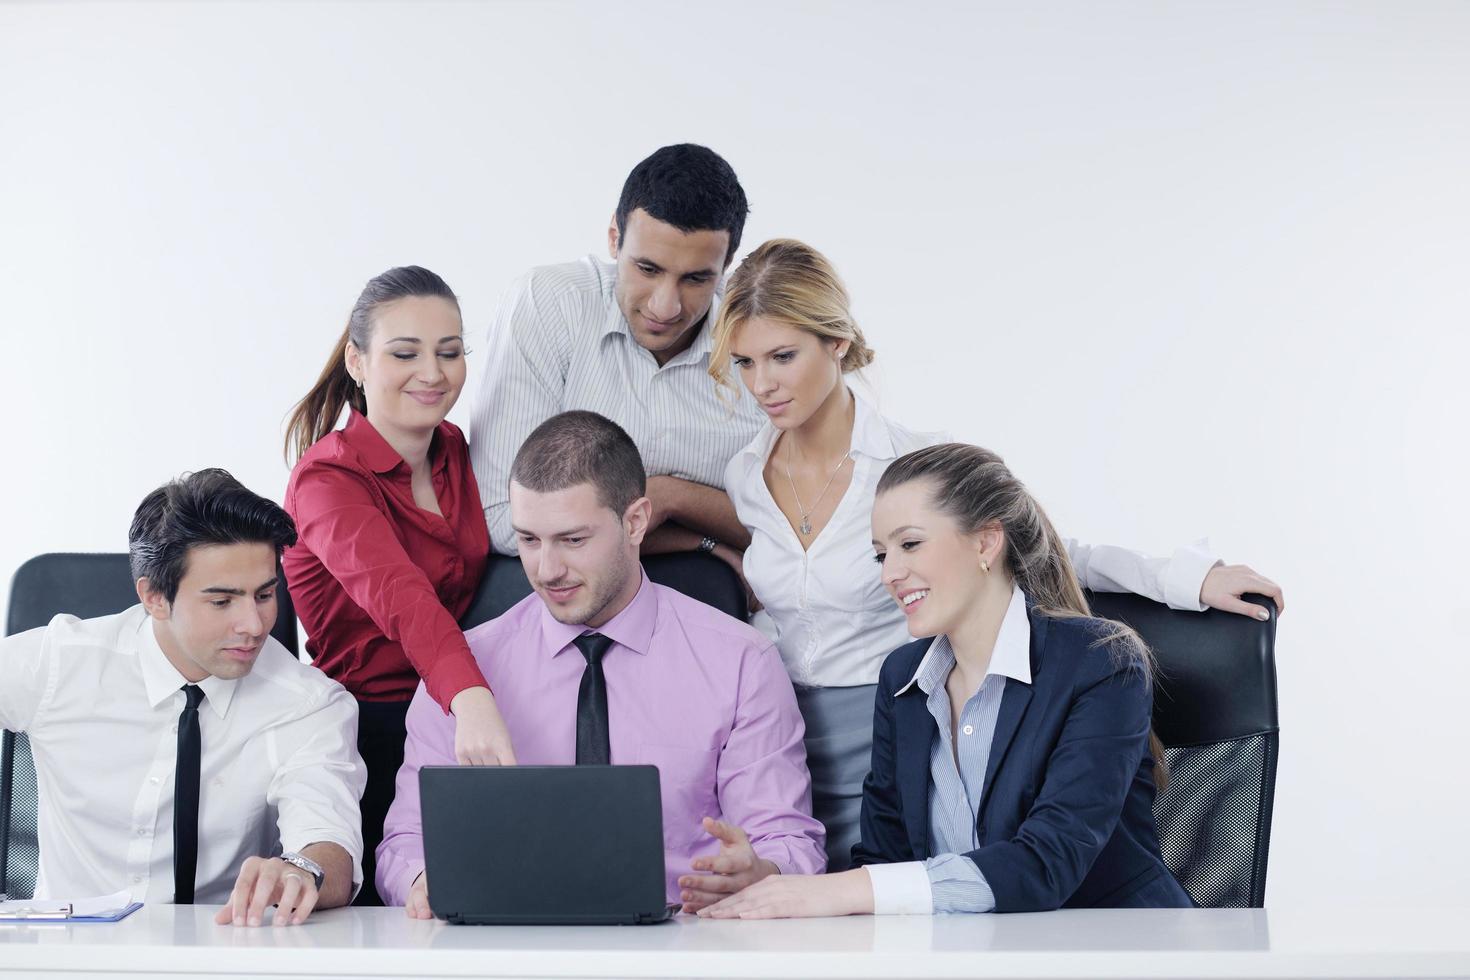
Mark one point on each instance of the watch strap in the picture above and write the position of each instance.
(304, 863)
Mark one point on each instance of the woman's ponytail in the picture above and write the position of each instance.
(317, 414)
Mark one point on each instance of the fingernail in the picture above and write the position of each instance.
(1263, 614)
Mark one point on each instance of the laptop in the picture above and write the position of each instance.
(544, 845)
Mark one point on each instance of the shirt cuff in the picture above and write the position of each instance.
(777, 855)
(900, 889)
(797, 855)
(958, 885)
(452, 674)
(1185, 576)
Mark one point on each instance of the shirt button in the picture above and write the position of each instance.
(137, 878)
(142, 831)
(969, 729)
(155, 780)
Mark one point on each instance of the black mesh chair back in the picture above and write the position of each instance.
(87, 586)
(699, 576)
(1215, 712)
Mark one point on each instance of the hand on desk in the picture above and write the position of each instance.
(1225, 584)
(269, 881)
(737, 866)
(417, 905)
(797, 896)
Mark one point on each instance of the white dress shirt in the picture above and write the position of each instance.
(560, 342)
(826, 607)
(950, 882)
(100, 702)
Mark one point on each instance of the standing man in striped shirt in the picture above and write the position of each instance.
(630, 340)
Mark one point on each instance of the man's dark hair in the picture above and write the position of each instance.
(582, 447)
(207, 507)
(690, 187)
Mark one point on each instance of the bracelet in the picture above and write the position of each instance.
(707, 544)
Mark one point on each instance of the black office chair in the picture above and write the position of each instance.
(702, 577)
(85, 585)
(1215, 712)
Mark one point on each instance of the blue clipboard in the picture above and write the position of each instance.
(114, 916)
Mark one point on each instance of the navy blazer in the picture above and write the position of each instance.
(1066, 817)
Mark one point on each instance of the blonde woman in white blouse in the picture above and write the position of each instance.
(804, 489)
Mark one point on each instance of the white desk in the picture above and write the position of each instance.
(168, 941)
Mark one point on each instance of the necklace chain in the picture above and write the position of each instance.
(806, 524)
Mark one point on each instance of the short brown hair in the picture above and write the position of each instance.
(582, 447)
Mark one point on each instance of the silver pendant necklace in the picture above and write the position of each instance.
(806, 522)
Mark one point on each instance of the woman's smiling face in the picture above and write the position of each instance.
(414, 367)
(929, 565)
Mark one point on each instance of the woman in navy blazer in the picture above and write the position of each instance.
(1013, 765)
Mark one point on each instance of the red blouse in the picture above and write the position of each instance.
(378, 581)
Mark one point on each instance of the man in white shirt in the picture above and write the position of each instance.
(177, 744)
(630, 340)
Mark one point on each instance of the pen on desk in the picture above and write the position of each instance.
(30, 912)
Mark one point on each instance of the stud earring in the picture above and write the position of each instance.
(984, 566)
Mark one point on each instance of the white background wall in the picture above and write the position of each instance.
(1194, 269)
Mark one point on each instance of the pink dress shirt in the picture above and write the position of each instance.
(699, 695)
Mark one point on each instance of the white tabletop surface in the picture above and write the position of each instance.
(183, 941)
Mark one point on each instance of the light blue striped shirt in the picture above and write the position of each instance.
(957, 766)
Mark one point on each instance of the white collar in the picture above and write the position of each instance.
(162, 680)
(1010, 658)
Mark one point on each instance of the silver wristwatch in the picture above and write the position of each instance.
(305, 864)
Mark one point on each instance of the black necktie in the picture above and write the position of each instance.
(592, 741)
(186, 798)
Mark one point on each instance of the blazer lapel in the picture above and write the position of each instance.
(916, 733)
(1013, 704)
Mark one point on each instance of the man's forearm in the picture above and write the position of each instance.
(699, 508)
(668, 539)
(336, 873)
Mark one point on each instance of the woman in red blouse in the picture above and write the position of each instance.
(391, 537)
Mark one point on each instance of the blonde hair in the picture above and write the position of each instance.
(792, 283)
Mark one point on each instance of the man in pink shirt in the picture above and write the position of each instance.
(601, 665)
